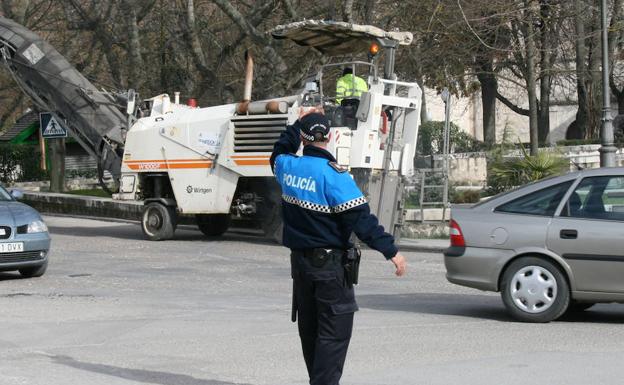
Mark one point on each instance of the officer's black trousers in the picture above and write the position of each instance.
(325, 316)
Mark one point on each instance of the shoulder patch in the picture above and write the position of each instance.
(337, 167)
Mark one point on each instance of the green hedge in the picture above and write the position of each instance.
(619, 141)
(20, 163)
(431, 134)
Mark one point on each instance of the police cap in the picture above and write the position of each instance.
(314, 127)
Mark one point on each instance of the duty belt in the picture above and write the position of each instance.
(319, 257)
(349, 259)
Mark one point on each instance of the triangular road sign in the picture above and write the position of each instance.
(51, 127)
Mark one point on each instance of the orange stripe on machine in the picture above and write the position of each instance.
(250, 157)
(165, 161)
(251, 160)
(162, 165)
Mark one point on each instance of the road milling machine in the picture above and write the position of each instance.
(213, 162)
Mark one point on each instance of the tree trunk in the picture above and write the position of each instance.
(347, 11)
(290, 10)
(616, 35)
(57, 166)
(135, 62)
(620, 102)
(549, 32)
(489, 86)
(16, 10)
(369, 6)
(7, 119)
(423, 101)
(595, 76)
(331, 10)
(582, 113)
(531, 52)
(543, 122)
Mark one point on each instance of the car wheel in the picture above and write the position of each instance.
(535, 290)
(158, 221)
(213, 225)
(33, 272)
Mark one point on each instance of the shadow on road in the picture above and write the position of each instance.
(121, 231)
(8, 276)
(601, 313)
(466, 305)
(138, 375)
(133, 232)
(475, 306)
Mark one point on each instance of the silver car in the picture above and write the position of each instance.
(24, 238)
(553, 246)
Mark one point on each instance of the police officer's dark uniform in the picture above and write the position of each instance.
(322, 206)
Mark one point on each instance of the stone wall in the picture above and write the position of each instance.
(471, 168)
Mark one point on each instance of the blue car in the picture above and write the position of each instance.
(24, 237)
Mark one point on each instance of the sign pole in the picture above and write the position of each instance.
(52, 128)
(42, 147)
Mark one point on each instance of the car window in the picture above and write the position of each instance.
(543, 202)
(600, 197)
(4, 195)
(513, 190)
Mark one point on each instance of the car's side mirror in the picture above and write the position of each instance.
(17, 194)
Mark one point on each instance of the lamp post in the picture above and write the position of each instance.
(607, 149)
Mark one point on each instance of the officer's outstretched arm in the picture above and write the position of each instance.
(348, 202)
(366, 226)
(288, 142)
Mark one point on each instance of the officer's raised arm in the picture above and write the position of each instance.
(288, 142)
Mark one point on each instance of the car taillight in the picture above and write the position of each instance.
(457, 238)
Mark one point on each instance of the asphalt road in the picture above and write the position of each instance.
(114, 309)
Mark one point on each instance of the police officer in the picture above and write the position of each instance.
(322, 206)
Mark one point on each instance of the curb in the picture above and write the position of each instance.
(55, 203)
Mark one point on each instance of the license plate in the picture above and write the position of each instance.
(13, 247)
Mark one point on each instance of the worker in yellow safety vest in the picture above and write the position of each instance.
(349, 85)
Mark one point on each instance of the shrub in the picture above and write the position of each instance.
(465, 196)
(20, 163)
(89, 173)
(507, 173)
(577, 142)
(431, 139)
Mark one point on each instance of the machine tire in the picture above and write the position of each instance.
(158, 221)
(529, 279)
(213, 225)
(273, 226)
(34, 272)
(270, 212)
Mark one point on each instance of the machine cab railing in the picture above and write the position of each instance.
(353, 65)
